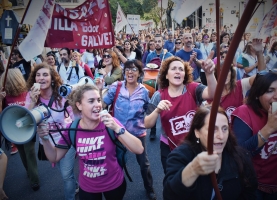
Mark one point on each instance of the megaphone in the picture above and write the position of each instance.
(19, 125)
(65, 90)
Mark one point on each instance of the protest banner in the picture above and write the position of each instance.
(134, 24)
(85, 27)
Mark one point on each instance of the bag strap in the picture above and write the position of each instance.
(119, 145)
(119, 84)
(72, 132)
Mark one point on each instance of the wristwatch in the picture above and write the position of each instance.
(121, 131)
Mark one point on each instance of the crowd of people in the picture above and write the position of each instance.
(245, 139)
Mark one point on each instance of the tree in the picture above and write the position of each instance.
(168, 13)
(129, 7)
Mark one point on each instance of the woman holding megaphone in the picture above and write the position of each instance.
(43, 84)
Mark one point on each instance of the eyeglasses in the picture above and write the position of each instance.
(151, 43)
(178, 42)
(107, 56)
(134, 69)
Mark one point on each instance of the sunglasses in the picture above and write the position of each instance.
(134, 69)
(225, 46)
(178, 42)
(106, 56)
(151, 43)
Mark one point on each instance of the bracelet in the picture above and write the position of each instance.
(262, 137)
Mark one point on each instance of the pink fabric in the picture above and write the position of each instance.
(57, 117)
(99, 169)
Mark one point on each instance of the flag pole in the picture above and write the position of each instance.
(161, 16)
(126, 19)
(14, 42)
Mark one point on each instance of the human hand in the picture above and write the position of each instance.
(164, 105)
(43, 130)
(271, 124)
(3, 196)
(102, 71)
(208, 65)
(204, 164)
(108, 120)
(257, 45)
(193, 56)
(99, 82)
(34, 93)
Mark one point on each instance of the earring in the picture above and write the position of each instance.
(198, 140)
(52, 83)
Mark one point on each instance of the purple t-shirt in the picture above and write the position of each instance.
(99, 169)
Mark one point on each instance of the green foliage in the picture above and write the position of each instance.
(129, 7)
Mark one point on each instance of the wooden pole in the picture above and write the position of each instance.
(222, 78)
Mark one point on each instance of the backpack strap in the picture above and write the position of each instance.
(59, 67)
(72, 132)
(119, 145)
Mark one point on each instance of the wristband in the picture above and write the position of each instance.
(262, 137)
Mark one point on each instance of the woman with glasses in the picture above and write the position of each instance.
(176, 101)
(130, 107)
(112, 70)
(177, 47)
(150, 48)
(255, 127)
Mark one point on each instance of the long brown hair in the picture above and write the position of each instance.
(163, 81)
(55, 79)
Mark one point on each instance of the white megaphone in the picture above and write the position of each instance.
(19, 125)
(65, 90)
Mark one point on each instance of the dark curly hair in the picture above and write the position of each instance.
(55, 79)
(163, 81)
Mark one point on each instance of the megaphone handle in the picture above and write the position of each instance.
(44, 122)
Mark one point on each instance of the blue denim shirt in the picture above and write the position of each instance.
(129, 110)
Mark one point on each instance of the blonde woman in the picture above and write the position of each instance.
(76, 56)
(16, 92)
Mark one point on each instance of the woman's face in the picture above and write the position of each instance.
(75, 57)
(132, 75)
(127, 45)
(43, 77)
(107, 58)
(90, 105)
(269, 96)
(50, 60)
(225, 39)
(213, 37)
(176, 73)
(221, 133)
